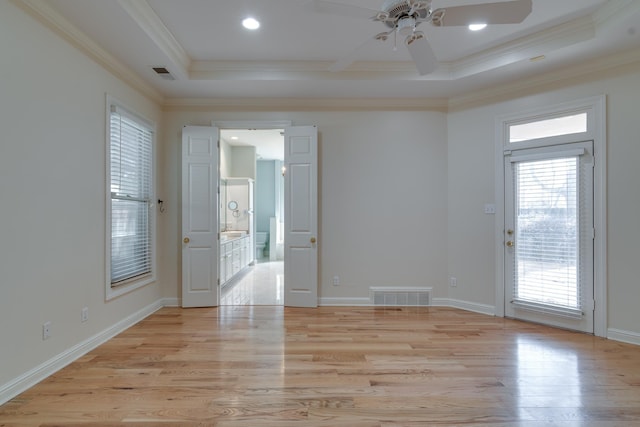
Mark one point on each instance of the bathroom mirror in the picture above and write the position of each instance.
(233, 205)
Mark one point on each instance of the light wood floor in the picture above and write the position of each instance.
(360, 367)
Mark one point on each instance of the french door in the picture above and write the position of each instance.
(200, 237)
(199, 216)
(301, 216)
(548, 236)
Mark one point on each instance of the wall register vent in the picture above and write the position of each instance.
(400, 297)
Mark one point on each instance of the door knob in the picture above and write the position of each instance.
(186, 240)
(509, 232)
(510, 243)
(313, 240)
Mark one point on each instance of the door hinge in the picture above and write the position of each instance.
(593, 234)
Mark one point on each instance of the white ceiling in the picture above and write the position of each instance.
(269, 143)
(211, 56)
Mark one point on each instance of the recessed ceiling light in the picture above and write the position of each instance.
(477, 27)
(234, 138)
(250, 24)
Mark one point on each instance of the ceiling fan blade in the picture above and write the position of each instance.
(344, 62)
(508, 12)
(331, 8)
(421, 53)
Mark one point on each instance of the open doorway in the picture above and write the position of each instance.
(251, 217)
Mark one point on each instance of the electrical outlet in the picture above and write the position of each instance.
(453, 282)
(336, 280)
(46, 330)
(84, 314)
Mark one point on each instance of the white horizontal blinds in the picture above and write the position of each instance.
(547, 233)
(131, 157)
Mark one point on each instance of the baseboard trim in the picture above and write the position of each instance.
(171, 302)
(27, 380)
(623, 336)
(465, 305)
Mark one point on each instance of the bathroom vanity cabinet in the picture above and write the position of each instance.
(237, 222)
(234, 257)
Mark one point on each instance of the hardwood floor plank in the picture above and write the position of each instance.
(339, 366)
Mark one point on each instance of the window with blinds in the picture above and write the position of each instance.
(131, 187)
(547, 234)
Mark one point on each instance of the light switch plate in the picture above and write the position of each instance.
(490, 208)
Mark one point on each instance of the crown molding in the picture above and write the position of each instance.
(560, 36)
(43, 12)
(524, 48)
(608, 15)
(615, 10)
(576, 31)
(152, 25)
(301, 104)
(575, 74)
(304, 70)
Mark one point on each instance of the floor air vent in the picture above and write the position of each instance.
(400, 297)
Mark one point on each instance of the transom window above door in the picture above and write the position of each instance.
(548, 127)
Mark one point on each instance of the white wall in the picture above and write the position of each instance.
(383, 201)
(52, 192)
(401, 195)
(471, 173)
(243, 160)
(226, 159)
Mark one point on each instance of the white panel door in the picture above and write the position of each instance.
(199, 216)
(549, 234)
(301, 217)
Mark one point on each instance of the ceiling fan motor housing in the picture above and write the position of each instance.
(400, 9)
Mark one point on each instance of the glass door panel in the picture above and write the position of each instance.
(548, 240)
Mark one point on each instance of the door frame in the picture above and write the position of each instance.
(595, 107)
(246, 124)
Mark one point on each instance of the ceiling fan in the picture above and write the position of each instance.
(402, 17)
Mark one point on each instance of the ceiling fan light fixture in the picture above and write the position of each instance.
(251, 23)
(406, 26)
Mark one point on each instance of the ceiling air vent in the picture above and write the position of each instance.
(164, 73)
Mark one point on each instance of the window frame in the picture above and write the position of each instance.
(128, 285)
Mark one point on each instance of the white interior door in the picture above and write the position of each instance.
(301, 216)
(549, 234)
(199, 216)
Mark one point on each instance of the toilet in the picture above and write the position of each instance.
(262, 238)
